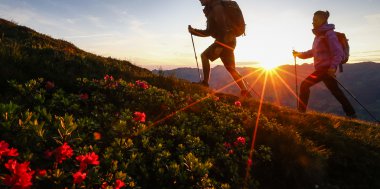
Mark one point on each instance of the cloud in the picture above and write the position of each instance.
(136, 25)
(368, 52)
(19, 15)
(71, 21)
(95, 21)
(373, 19)
(89, 36)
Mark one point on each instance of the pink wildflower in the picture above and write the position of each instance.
(49, 85)
(84, 96)
(238, 103)
(79, 177)
(104, 185)
(142, 84)
(240, 140)
(139, 117)
(6, 151)
(41, 172)
(21, 175)
(63, 152)
(108, 78)
(119, 184)
(227, 145)
(88, 159)
(48, 154)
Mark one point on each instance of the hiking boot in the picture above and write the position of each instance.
(203, 83)
(245, 94)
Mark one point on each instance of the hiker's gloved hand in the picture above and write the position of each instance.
(331, 72)
(296, 53)
(191, 30)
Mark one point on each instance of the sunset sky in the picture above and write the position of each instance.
(153, 33)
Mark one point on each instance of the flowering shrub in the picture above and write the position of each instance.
(121, 134)
(61, 153)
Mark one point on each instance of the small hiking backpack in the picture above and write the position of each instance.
(234, 16)
(346, 48)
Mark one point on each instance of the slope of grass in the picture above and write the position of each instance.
(26, 54)
(149, 131)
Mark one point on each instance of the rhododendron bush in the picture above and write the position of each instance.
(111, 133)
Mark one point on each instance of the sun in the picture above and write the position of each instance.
(269, 65)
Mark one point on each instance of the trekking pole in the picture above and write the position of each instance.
(295, 73)
(357, 101)
(196, 58)
(250, 88)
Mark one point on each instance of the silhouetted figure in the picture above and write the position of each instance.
(224, 45)
(328, 54)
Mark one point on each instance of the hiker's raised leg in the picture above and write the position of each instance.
(210, 54)
(206, 67)
(332, 85)
(237, 77)
(311, 80)
(228, 59)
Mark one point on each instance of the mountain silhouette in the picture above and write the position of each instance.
(360, 79)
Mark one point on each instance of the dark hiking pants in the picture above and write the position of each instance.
(330, 83)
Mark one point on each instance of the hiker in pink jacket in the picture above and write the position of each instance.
(328, 54)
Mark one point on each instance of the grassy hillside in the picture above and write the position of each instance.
(82, 128)
(26, 54)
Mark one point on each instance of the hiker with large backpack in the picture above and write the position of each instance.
(328, 54)
(225, 22)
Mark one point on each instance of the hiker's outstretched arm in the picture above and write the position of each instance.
(306, 54)
(200, 33)
(335, 49)
(197, 32)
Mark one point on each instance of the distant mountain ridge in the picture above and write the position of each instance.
(361, 79)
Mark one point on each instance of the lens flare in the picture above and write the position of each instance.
(269, 66)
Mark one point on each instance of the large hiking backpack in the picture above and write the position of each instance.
(235, 17)
(346, 48)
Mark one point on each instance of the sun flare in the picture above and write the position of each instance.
(268, 66)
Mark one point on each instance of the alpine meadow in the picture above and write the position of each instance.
(72, 119)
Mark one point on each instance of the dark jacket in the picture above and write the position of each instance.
(216, 22)
(326, 50)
